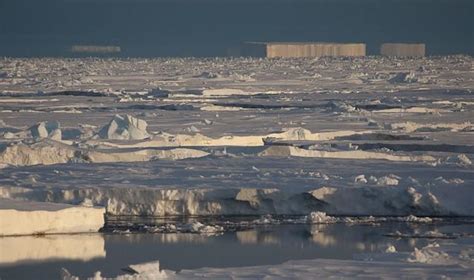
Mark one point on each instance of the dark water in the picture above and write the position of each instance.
(149, 28)
(82, 255)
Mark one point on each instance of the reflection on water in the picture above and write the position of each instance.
(256, 236)
(42, 257)
(169, 238)
(80, 247)
(320, 236)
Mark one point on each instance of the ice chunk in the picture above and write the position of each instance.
(340, 107)
(390, 180)
(197, 227)
(125, 127)
(48, 129)
(143, 267)
(360, 179)
(320, 218)
(429, 254)
(391, 249)
(42, 152)
(415, 219)
(460, 160)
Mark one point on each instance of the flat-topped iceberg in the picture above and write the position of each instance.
(27, 218)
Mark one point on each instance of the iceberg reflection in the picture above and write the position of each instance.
(19, 249)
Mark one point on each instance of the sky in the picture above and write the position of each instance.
(217, 27)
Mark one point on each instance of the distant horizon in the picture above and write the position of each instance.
(206, 28)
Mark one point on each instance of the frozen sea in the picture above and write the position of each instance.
(317, 137)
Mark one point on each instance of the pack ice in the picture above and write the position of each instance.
(360, 136)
